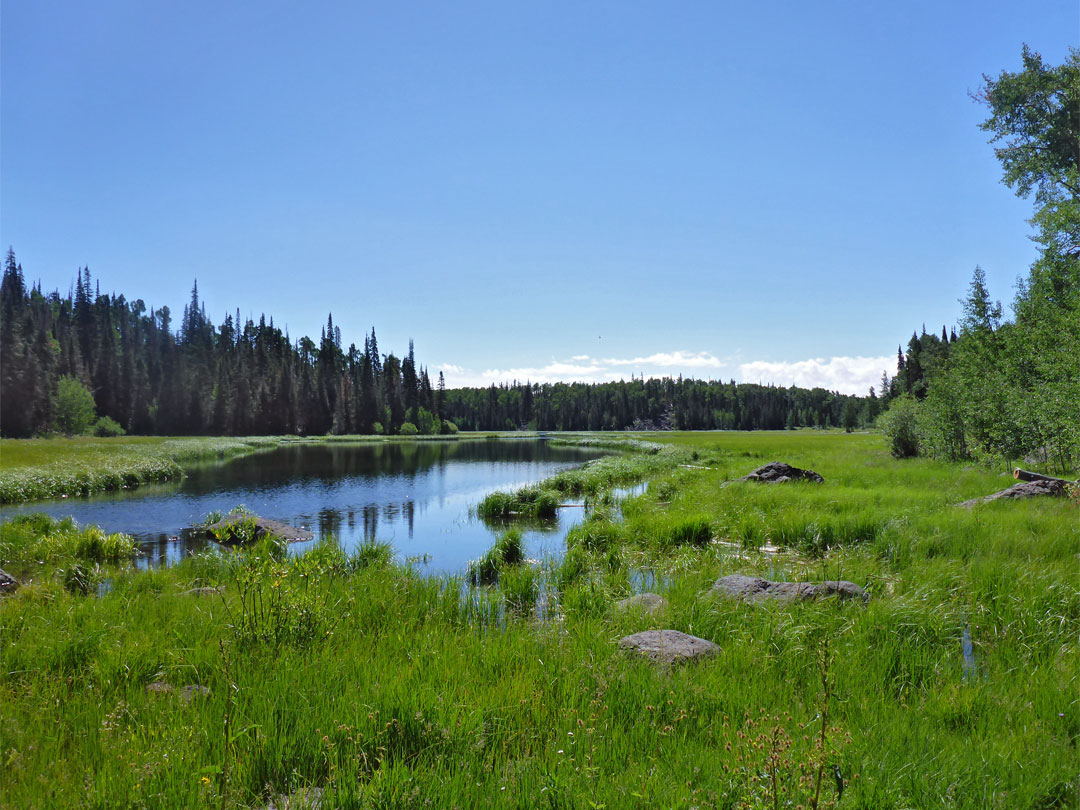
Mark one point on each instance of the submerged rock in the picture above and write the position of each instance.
(263, 528)
(669, 646)
(777, 472)
(8, 583)
(649, 602)
(756, 589)
(1025, 489)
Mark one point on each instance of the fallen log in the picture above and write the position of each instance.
(1024, 475)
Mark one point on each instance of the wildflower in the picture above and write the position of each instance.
(205, 780)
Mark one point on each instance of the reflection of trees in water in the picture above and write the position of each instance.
(367, 519)
(331, 462)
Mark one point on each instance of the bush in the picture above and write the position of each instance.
(449, 428)
(74, 406)
(900, 424)
(408, 429)
(107, 427)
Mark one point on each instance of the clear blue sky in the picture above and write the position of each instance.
(765, 191)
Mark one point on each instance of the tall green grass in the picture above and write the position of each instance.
(386, 688)
(36, 469)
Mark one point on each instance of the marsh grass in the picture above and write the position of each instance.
(507, 551)
(37, 469)
(386, 688)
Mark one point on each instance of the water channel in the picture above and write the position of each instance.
(414, 495)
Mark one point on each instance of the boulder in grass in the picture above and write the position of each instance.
(648, 602)
(8, 583)
(756, 589)
(777, 472)
(1025, 489)
(669, 646)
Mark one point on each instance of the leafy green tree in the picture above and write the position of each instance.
(74, 407)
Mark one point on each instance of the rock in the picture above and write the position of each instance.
(204, 592)
(8, 583)
(777, 472)
(669, 646)
(648, 602)
(756, 589)
(1025, 489)
(264, 527)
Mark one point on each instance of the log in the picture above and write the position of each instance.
(1024, 475)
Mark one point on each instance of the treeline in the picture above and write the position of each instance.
(655, 404)
(240, 378)
(1010, 389)
(140, 373)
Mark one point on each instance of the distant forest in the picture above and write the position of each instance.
(146, 375)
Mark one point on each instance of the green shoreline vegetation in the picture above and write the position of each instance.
(955, 686)
(38, 469)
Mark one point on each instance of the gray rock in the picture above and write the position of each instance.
(1025, 489)
(8, 583)
(264, 527)
(777, 472)
(756, 589)
(669, 646)
(648, 602)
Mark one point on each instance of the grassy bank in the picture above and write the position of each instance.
(38, 469)
(956, 686)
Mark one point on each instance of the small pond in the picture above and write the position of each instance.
(414, 495)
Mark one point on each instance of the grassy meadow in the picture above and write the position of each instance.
(373, 685)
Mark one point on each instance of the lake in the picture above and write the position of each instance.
(414, 495)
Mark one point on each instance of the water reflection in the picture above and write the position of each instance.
(416, 495)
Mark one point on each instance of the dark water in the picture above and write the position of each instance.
(416, 496)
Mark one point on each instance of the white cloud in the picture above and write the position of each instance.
(677, 359)
(848, 375)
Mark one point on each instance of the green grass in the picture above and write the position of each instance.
(36, 469)
(385, 688)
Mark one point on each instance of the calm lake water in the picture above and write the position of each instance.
(414, 495)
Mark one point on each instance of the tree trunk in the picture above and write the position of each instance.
(1024, 475)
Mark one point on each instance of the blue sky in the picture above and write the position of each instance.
(771, 192)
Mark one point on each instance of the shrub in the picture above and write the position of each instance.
(449, 428)
(107, 427)
(237, 529)
(900, 424)
(408, 429)
(74, 406)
